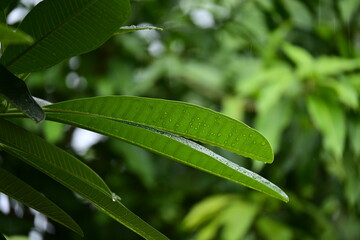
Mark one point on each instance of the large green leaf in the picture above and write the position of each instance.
(8, 35)
(72, 173)
(21, 191)
(15, 90)
(184, 119)
(62, 29)
(164, 143)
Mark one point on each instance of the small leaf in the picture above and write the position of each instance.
(15, 90)
(22, 192)
(347, 94)
(329, 118)
(133, 28)
(62, 29)
(9, 35)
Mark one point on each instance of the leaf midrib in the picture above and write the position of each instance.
(38, 41)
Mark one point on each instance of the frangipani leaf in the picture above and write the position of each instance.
(62, 29)
(24, 193)
(184, 119)
(16, 92)
(72, 173)
(169, 145)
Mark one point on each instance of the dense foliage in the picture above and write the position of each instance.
(288, 68)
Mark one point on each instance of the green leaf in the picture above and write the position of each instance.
(345, 92)
(9, 35)
(335, 65)
(206, 210)
(167, 144)
(17, 237)
(354, 134)
(133, 28)
(62, 29)
(72, 173)
(22, 192)
(303, 59)
(184, 119)
(329, 118)
(222, 212)
(15, 90)
(2, 237)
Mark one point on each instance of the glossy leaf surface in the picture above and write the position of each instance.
(24, 193)
(62, 29)
(15, 90)
(72, 173)
(184, 119)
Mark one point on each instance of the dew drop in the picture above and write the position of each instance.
(244, 135)
(263, 143)
(225, 141)
(237, 139)
(115, 197)
(177, 125)
(219, 134)
(250, 135)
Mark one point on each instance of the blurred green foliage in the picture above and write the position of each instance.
(288, 68)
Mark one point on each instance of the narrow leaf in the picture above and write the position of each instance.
(72, 173)
(184, 119)
(22, 192)
(15, 90)
(172, 146)
(62, 29)
(8, 35)
(2, 237)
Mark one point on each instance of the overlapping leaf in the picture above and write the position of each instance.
(143, 134)
(184, 119)
(62, 29)
(22, 192)
(72, 173)
(15, 90)
(8, 35)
